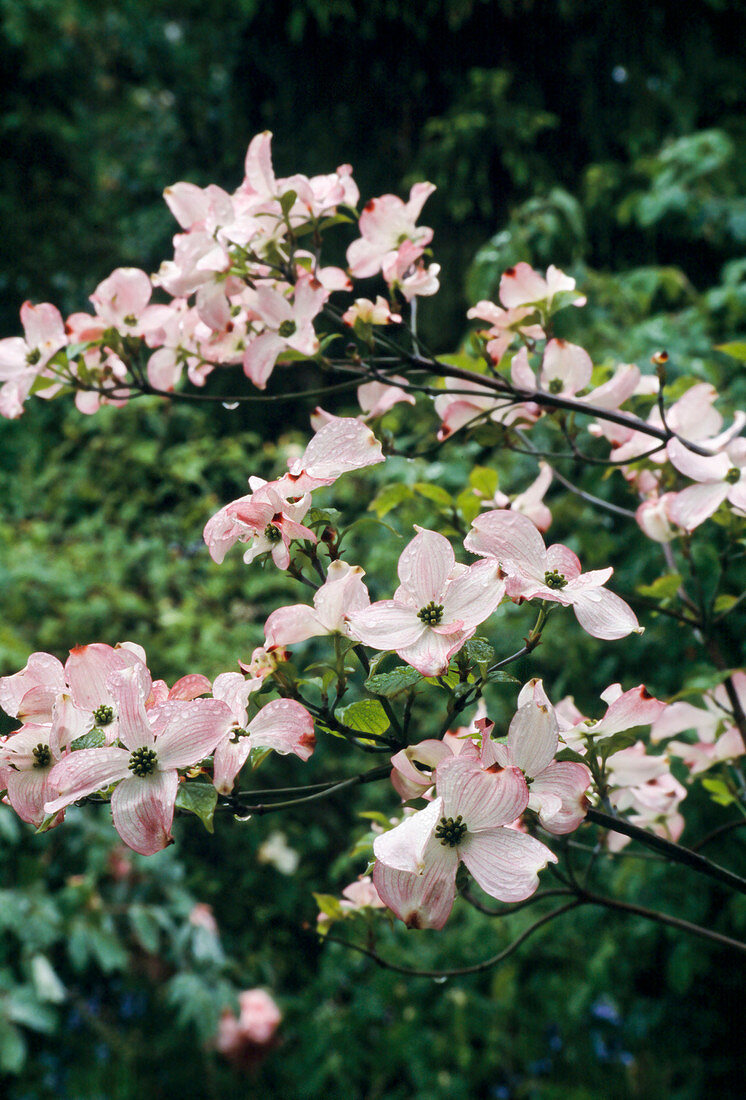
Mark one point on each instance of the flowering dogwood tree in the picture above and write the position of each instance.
(404, 668)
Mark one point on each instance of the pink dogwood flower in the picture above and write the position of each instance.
(287, 324)
(145, 770)
(553, 574)
(282, 725)
(720, 476)
(556, 787)
(625, 710)
(385, 224)
(435, 609)
(523, 286)
(24, 358)
(341, 595)
(416, 862)
(263, 518)
(31, 753)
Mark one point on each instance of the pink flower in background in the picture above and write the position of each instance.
(532, 571)
(531, 501)
(523, 286)
(287, 324)
(436, 608)
(625, 710)
(247, 1038)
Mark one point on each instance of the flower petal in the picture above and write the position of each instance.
(193, 733)
(483, 798)
(84, 772)
(505, 863)
(143, 811)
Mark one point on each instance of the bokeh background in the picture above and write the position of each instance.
(604, 137)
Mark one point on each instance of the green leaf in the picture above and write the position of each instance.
(91, 740)
(736, 350)
(718, 791)
(469, 505)
(390, 497)
(391, 683)
(479, 651)
(365, 716)
(615, 743)
(12, 1048)
(434, 493)
(146, 927)
(484, 480)
(287, 201)
(661, 589)
(500, 676)
(724, 603)
(199, 799)
(330, 906)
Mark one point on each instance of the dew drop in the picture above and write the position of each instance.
(441, 980)
(230, 405)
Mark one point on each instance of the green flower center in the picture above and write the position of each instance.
(272, 533)
(733, 476)
(130, 320)
(553, 579)
(103, 715)
(143, 762)
(287, 329)
(42, 756)
(450, 832)
(555, 386)
(237, 734)
(431, 614)
(33, 357)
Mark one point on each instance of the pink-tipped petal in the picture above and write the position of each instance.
(483, 798)
(84, 772)
(193, 733)
(533, 738)
(143, 811)
(564, 782)
(505, 863)
(284, 726)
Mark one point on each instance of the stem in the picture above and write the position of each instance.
(662, 918)
(456, 972)
(675, 852)
(344, 784)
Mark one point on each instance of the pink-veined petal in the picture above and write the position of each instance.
(288, 625)
(533, 738)
(505, 863)
(403, 847)
(433, 649)
(483, 798)
(696, 503)
(636, 707)
(190, 687)
(230, 757)
(193, 733)
(42, 670)
(284, 726)
(511, 539)
(420, 900)
(566, 781)
(128, 688)
(472, 597)
(28, 791)
(142, 809)
(425, 565)
(84, 772)
(386, 625)
(604, 615)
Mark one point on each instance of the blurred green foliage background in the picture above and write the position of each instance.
(607, 140)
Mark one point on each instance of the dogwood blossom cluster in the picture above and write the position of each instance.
(489, 803)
